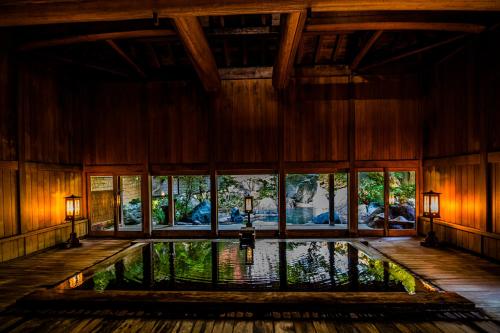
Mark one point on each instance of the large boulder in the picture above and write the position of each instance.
(405, 210)
(324, 218)
(201, 214)
(236, 216)
(132, 213)
(375, 219)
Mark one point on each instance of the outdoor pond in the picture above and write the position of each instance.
(298, 265)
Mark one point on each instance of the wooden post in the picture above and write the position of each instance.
(353, 177)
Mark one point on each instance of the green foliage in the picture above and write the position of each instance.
(371, 188)
(193, 260)
(103, 278)
(402, 185)
(229, 195)
(192, 191)
(340, 180)
(399, 274)
(157, 211)
(161, 261)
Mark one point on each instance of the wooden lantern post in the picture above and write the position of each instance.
(431, 210)
(73, 206)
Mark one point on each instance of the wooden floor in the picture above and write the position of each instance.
(472, 277)
(468, 275)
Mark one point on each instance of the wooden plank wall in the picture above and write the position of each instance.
(459, 134)
(242, 122)
(44, 164)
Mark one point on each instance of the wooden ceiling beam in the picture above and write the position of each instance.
(338, 46)
(198, 50)
(289, 42)
(96, 37)
(126, 58)
(413, 52)
(390, 26)
(29, 12)
(362, 53)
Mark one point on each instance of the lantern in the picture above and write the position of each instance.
(248, 204)
(73, 207)
(431, 204)
(431, 210)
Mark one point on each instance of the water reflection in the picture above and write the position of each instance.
(277, 265)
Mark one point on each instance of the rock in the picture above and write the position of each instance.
(265, 205)
(236, 215)
(405, 210)
(132, 213)
(324, 218)
(372, 206)
(375, 220)
(201, 214)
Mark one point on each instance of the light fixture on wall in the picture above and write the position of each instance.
(73, 206)
(431, 211)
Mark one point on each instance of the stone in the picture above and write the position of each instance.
(132, 213)
(405, 210)
(324, 218)
(236, 216)
(201, 214)
(375, 219)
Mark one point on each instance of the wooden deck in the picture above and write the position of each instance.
(472, 277)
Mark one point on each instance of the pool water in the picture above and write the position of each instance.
(274, 265)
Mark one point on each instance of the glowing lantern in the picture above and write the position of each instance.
(73, 211)
(431, 204)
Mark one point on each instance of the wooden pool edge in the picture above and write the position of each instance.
(193, 301)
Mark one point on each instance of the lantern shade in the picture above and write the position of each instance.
(431, 204)
(248, 204)
(73, 206)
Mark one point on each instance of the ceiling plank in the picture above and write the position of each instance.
(362, 53)
(413, 52)
(317, 52)
(290, 39)
(358, 26)
(338, 47)
(196, 45)
(84, 64)
(126, 58)
(96, 37)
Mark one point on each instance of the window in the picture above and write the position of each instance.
(231, 191)
(402, 191)
(160, 215)
(190, 196)
(308, 200)
(130, 203)
(371, 200)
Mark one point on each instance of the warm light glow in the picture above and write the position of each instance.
(249, 256)
(248, 204)
(76, 280)
(73, 207)
(431, 204)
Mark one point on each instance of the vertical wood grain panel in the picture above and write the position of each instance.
(246, 121)
(8, 117)
(8, 203)
(178, 131)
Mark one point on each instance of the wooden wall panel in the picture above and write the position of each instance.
(452, 119)
(114, 124)
(51, 116)
(45, 192)
(495, 194)
(246, 122)
(178, 118)
(8, 203)
(387, 121)
(8, 119)
(316, 116)
(460, 198)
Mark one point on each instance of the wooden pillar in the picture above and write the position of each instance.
(353, 177)
(282, 106)
(386, 202)
(171, 208)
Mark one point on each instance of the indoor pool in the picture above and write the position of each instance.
(273, 265)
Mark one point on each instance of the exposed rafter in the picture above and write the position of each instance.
(359, 26)
(362, 53)
(126, 58)
(196, 45)
(413, 52)
(96, 37)
(29, 12)
(290, 38)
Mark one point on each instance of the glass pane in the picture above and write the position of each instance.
(402, 187)
(102, 203)
(341, 199)
(192, 201)
(231, 193)
(159, 202)
(371, 200)
(307, 200)
(130, 204)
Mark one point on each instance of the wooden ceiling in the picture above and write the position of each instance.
(273, 44)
